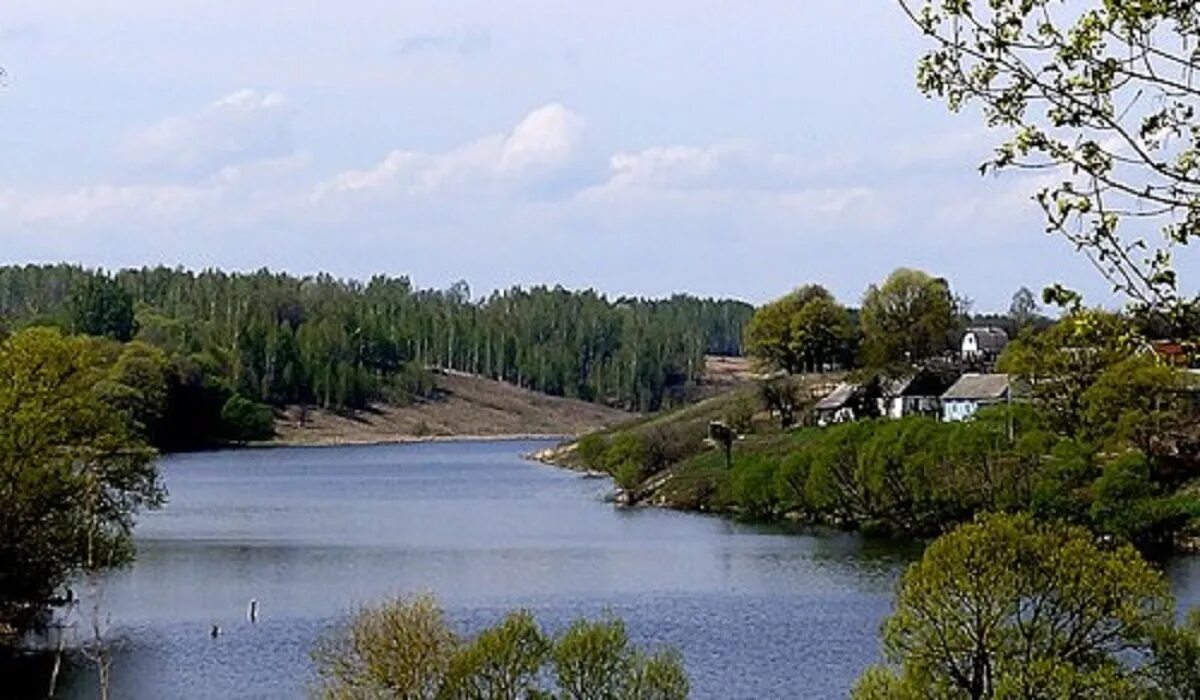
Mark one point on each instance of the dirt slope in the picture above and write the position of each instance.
(469, 407)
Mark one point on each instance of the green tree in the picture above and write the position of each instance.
(1061, 364)
(803, 331)
(783, 398)
(246, 421)
(1127, 503)
(1099, 95)
(137, 384)
(1007, 608)
(100, 307)
(1136, 401)
(910, 317)
(405, 648)
(73, 473)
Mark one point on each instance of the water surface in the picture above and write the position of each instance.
(311, 533)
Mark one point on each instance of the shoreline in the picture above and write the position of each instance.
(406, 440)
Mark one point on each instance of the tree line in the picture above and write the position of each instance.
(273, 339)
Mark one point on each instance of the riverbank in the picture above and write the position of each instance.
(465, 408)
(911, 478)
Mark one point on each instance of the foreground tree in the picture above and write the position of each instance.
(73, 474)
(1007, 608)
(1104, 95)
(406, 648)
(908, 318)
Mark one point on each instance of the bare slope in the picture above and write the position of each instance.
(468, 407)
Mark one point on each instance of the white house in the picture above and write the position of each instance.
(983, 343)
(972, 392)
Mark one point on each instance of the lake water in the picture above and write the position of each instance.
(311, 533)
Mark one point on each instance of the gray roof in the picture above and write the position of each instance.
(978, 387)
(838, 398)
(989, 338)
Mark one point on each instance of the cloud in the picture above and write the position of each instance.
(466, 43)
(544, 140)
(242, 126)
(103, 205)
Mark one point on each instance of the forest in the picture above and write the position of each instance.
(235, 344)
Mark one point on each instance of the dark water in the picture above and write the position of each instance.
(310, 533)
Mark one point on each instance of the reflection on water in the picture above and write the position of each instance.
(310, 533)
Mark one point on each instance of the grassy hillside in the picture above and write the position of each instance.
(666, 458)
(462, 406)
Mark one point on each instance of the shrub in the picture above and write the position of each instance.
(592, 449)
(244, 420)
(405, 648)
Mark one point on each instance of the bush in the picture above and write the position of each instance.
(244, 420)
(592, 449)
(739, 415)
(752, 485)
(405, 648)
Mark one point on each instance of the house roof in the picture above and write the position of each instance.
(988, 338)
(978, 387)
(897, 386)
(838, 398)
(921, 383)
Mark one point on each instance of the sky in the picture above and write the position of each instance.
(648, 148)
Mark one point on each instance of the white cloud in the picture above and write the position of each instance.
(242, 126)
(546, 139)
(103, 205)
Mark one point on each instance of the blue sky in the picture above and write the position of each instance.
(716, 148)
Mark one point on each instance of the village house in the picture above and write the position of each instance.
(839, 405)
(972, 392)
(918, 394)
(1168, 352)
(983, 344)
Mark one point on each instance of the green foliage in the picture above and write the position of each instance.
(100, 307)
(139, 379)
(502, 662)
(399, 649)
(739, 415)
(916, 476)
(279, 339)
(595, 661)
(1128, 504)
(1099, 96)
(1061, 364)
(1133, 402)
(1008, 608)
(753, 488)
(910, 317)
(246, 421)
(73, 472)
(806, 330)
(783, 398)
(592, 449)
(406, 649)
